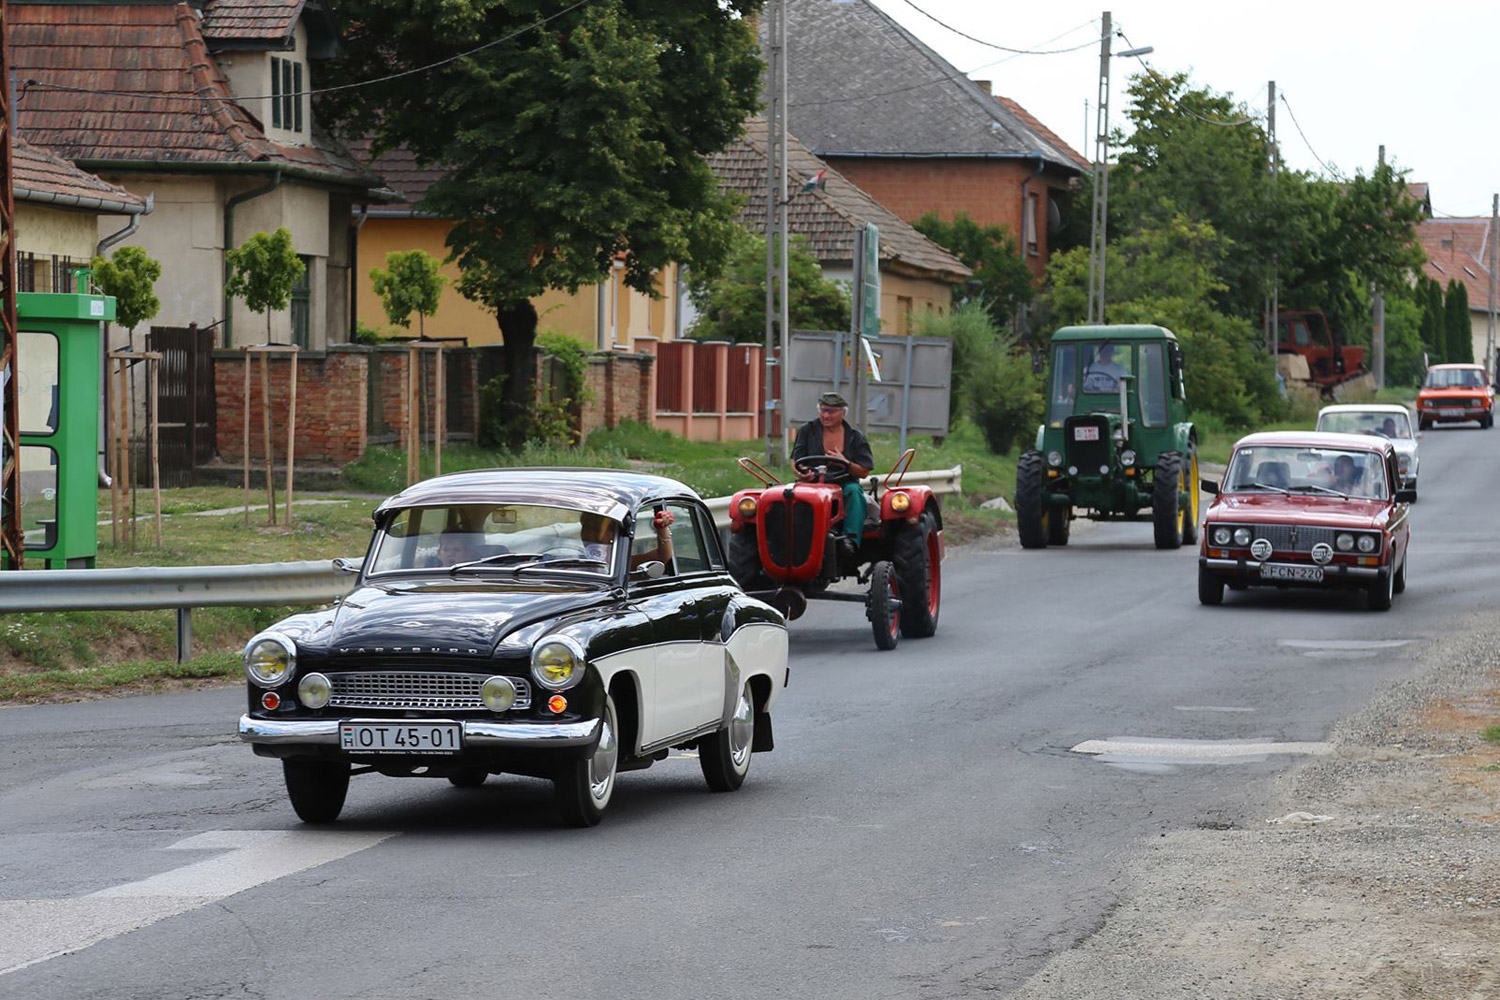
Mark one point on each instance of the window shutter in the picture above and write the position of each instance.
(297, 96)
(275, 92)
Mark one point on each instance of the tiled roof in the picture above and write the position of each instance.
(46, 179)
(861, 84)
(407, 181)
(826, 217)
(1458, 250)
(257, 20)
(117, 84)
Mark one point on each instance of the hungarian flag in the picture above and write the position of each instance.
(815, 182)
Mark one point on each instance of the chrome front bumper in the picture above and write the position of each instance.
(281, 732)
(1331, 573)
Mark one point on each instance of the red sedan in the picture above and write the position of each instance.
(1303, 509)
(1455, 393)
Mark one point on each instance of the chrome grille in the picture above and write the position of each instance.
(1281, 536)
(393, 689)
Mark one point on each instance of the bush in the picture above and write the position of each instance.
(992, 382)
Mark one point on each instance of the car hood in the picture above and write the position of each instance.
(1327, 511)
(461, 617)
(1449, 392)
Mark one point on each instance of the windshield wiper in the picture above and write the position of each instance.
(1321, 489)
(495, 560)
(1268, 486)
(556, 563)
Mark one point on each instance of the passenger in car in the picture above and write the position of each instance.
(598, 535)
(1272, 474)
(1345, 476)
(456, 547)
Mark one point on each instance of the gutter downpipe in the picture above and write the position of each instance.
(359, 223)
(135, 223)
(229, 207)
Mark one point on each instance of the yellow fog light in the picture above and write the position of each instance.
(900, 502)
(498, 693)
(747, 507)
(557, 663)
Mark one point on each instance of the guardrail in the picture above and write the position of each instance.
(183, 588)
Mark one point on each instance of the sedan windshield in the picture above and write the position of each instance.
(1454, 378)
(1313, 471)
(1384, 423)
(495, 538)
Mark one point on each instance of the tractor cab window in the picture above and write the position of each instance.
(1064, 384)
(1152, 385)
(1104, 364)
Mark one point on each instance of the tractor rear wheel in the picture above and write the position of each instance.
(1031, 503)
(1166, 510)
(744, 558)
(916, 550)
(1190, 487)
(880, 606)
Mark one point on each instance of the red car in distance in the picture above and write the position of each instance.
(1304, 509)
(1455, 394)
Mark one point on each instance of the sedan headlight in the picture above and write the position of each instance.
(314, 690)
(270, 659)
(557, 663)
(1344, 542)
(1242, 537)
(1404, 464)
(1366, 543)
(1222, 536)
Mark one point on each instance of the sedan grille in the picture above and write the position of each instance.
(1292, 538)
(391, 689)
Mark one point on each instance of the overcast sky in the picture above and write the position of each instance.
(1414, 77)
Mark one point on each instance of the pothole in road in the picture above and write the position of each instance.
(1342, 649)
(1152, 755)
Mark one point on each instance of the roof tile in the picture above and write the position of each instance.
(1458, 250)
(42, 177)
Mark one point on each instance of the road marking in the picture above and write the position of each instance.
(42, 929)
(1344, 644)
(1189, 751)
(1211, 708)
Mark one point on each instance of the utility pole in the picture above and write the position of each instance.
(1494, 240)
(1100, 216)
(1272, 320)
(1377, 335)
(12, 541)
(776, 192)
(783, 215)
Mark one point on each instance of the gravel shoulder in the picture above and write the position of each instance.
(1373, 872)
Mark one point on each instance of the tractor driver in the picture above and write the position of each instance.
(1103, 373)
(832, 435)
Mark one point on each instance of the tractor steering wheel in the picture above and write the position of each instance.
(821, 465)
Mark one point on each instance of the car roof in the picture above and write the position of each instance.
(610, 492)
(1122, 331)
(1365, 408)
(1456, 365)
(1315, 439)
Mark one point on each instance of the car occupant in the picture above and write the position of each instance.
(1104, 372)
(1388, 427)
(598, 535)
(832, 435)
(456, 547)
(1344, 477)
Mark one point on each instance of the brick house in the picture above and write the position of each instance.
(1459, 250)
(202, 106)
(903, 124)
(916, 274)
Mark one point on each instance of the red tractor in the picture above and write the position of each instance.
(783, 546)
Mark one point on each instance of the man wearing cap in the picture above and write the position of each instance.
(832, 435)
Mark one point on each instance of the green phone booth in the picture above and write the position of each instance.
(58, 361)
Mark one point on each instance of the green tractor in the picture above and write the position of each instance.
(1117, 441)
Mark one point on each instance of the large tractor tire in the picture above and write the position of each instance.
(744, 559)
(881, 605)
(1166, 510)
(915, 550)
(1031, 502)
(1190, 488)
(1059, 522)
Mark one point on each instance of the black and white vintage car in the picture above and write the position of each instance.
(563, 624)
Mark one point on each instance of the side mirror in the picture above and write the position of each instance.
(351, 567)
(1209, 486)
(650, 570)
(1406, 496)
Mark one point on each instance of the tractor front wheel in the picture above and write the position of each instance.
(917, 553)
(744, 558)
(1031, 503)
(1192, 493)
(1166, 508)
(883, 606)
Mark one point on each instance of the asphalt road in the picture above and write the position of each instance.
(922, 829)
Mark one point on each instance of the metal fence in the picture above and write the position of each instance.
(183, 588)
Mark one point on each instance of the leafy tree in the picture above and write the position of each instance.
(1458, 326)
(1001, 278)
(263, 270)
(409, 283)
(1403, 339)
(130, 276)
(732, 305)
(570, 136)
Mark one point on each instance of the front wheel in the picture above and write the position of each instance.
(917, 553)
(1031, 504)
(1381, 592)
(883, 606)
(583, 788)
(725, 756)
(1192, 494)
(1400, 585)
(1166, 506)
(1210, 588)
(317, 788)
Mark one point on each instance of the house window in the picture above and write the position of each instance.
(46, 273)
(301, 308)
(903, 315)
(1029, 224)
(286, 94)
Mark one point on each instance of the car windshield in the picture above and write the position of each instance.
(1384, 423)
(495, 538)
(1454, 378)
(1313, 471)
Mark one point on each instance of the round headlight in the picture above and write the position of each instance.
(1054, 459)
(557, 663)
(314, 690)
(1103, 470)
(1404, 464)
(900, 502)
(747, 507)
(498, 693)
(1344, 541)
(1242, 537)
(1366, 543)
(1127, 457)
(270, 659)
(1072, 470)
(1221, 536)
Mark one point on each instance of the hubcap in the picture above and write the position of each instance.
(895, 615)
(741, 729)
(602, 764)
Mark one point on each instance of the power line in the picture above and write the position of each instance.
(1331, 171)
(992, 45)
(1225, 122)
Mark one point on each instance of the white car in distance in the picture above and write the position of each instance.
(1388, 420)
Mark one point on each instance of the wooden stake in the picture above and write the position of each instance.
(246, 454)
(291, 436)
(265, 423)
(113, 446)
(413, 415)
(127, 491)
(439, 418)
(152, 367)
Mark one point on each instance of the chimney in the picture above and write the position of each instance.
(983, 85)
